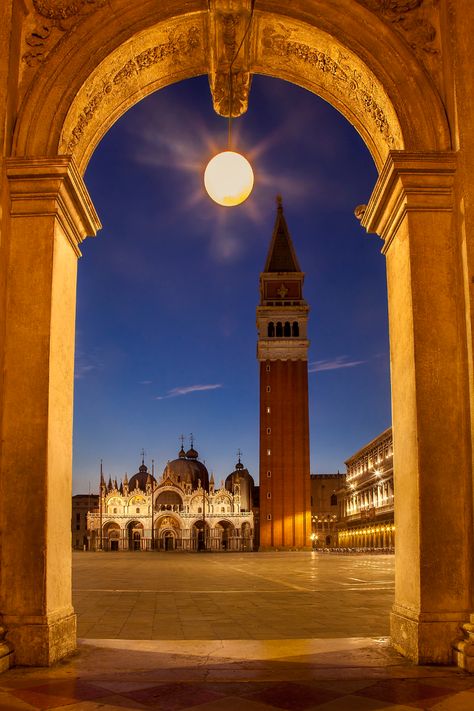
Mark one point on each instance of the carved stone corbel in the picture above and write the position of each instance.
(229, 55)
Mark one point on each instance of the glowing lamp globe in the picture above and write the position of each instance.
(228, 178)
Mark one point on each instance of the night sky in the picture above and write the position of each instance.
(167, 291)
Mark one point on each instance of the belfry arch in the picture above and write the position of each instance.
(68, 88)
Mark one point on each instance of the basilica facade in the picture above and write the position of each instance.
(181, 510)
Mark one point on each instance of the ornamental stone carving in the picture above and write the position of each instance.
(277, 40)
(52, 19)
(64, 9)
(228, 29)
(178, 46)
(411, 18)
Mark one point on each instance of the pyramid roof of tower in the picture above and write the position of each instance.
(281, 255)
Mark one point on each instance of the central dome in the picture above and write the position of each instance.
(189, 470)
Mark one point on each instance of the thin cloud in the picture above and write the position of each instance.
(177, 392)
(337, 363)
(145, 382)
(86, 363)
(82, 370)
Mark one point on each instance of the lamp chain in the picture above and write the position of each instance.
(231, 87)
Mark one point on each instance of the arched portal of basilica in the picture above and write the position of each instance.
(401, 73)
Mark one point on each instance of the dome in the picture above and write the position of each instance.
(247, 486)
(139, 480)
(189, 470)
(192, 454)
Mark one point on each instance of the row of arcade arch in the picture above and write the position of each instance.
(167, 535)
(283, 330)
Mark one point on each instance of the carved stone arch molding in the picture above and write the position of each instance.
(113, 55)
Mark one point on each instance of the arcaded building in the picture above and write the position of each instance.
(181, 510)
(367, 501)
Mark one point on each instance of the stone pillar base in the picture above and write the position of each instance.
(6, 657)
(463, 647)
(41, 642)
(425, 638)
(6, 652)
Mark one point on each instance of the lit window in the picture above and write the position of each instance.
(268, 410)
(269, 451)
(269, 474)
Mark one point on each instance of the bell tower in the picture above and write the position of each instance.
(282, 352)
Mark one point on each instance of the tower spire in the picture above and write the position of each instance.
(281, 255)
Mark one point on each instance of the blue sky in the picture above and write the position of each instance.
(167, 291)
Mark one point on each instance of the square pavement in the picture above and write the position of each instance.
(234, 632)
(231, 595)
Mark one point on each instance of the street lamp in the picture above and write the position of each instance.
(228, 178)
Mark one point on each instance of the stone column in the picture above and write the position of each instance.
(51, 213)
(412, 209)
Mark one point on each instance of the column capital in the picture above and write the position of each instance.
(53, 187)
(409, 182)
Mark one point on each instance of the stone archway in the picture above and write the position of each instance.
(111, 537)
(223, 532)
(71, 85)
(200, 536)
(168, 533)
(168, 500)
(135, 535)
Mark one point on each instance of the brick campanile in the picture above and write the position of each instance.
(282, 352)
